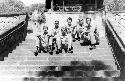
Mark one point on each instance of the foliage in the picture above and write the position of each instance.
(11, 6)
(115, 5)
(39, 7)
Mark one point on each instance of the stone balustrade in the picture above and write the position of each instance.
(13, 30)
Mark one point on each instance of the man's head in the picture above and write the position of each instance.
(63, 30)
(45, 28)
(81, 21)
(69, 20)
(56, 24)
(88, 21)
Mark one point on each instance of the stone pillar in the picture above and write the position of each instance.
(52, 5)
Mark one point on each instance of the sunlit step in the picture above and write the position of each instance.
(13, 74)
(107, 62)
(15, 58)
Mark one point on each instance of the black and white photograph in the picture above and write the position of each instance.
(62, 40)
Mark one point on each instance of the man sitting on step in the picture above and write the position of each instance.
(92, 29)
(79, 28)
(55, 37)
(70, 34)
(44, 39)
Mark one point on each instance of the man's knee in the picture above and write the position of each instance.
(50, 40)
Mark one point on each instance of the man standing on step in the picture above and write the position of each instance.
(55, 36)
(37, 29)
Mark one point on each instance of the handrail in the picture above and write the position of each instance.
(116, 36)
(11, 38)
(13, 30)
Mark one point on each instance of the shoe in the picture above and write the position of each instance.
(38, 49)
(92, 47)
(35, 53)
(44, 51)
(66, 50)
(57, 52)
(97, 43)
(74, 40)
(49, 48)
(60, 50)
(53, 48)
(70, 50)
(51, 53)
(78, 39)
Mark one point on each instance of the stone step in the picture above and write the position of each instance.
(80, 58)
(27, 44)
(37, 58)
(13, 74)
(85, 52)
(11, 62)
(31, 63)
(101, 51)
(20, 58)
(21, 55)
(24, 51)
(43, 68)
(15, 58)
(22, 68)
(16, 74)
(90, 53)
(29, 41)
(62, 58)
(17, 78)
(26, 47)
(43, 63)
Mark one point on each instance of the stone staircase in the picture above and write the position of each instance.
(22, 62)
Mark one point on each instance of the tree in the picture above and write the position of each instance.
(39, 7)
(115, 5)
(12, 6)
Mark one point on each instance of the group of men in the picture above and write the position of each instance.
(62, 37)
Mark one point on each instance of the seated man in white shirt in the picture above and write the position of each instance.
(70, 34)
(55, 35)
(66, 40)
(80, 28)
(91, 28)
(44, 39)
